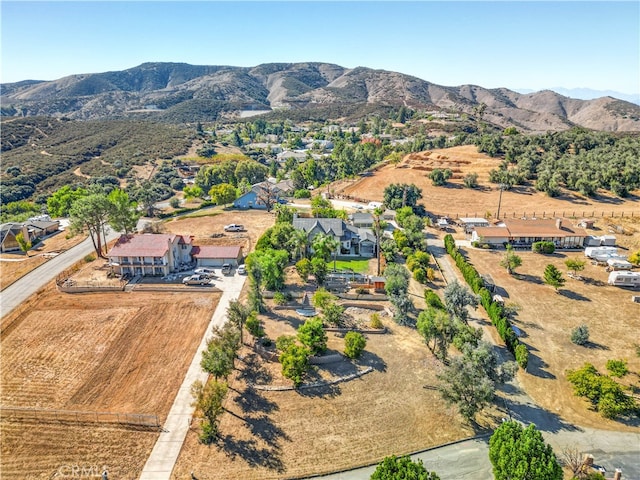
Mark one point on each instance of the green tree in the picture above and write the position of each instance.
(518, 453)
(470, 180)
(304, 268)
(270, 263)
(208, 399)
(437, 329)
(617, 368)
(23, 243)
(319, 270)
(192, 192)
(457, 298)
(354, 344)
(253, 325)
(123, 215)
(299, 243)
(222, 194)
(60, 202)
(397, 288)
(468, 381)
(238, 313)
(324, 246)
(312, 335)
(284, 214)
(378, 227)
(580, 335)
(553, 277)
(398, 468)
(635, 258)
(510, 260)
(295, 362)
(332, 314)
(322, 298)
(439, 177)
(575, 265)
(91, 213)
(401, 195)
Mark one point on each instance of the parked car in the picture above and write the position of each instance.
(241, 270)
(234, 227)
(226, 269)
(197, 279)
(209, 272)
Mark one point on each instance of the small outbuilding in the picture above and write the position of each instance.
(624, 279)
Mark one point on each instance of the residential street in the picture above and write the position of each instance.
(20, 290)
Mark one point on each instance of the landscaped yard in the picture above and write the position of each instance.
(357, 266)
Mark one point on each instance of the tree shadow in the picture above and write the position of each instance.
(592, 281)
(536, 365)
(573, 295)
(254, 372)
(528, 278)
(263, 428)
(544, 420)
(251, 453)
(250, 401)
(370, 359)
(321, 391)
(279, 316)
(595, 346)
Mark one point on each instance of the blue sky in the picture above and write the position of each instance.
(517, 45)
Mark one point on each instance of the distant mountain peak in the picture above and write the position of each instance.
(183, 92)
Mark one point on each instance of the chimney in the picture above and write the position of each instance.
(559, 223)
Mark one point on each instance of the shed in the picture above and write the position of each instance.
(442, 223)
(378, 282)
(591, 241)
(586, 223)
(216, 256)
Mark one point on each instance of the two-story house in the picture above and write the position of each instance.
(354, 241)
(150, 254)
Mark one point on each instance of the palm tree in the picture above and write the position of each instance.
(324, 245)
(299, 241)
(378, 226)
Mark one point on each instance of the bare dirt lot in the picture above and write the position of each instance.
(106, 352)
(547, 318)
(292, 434)
(18, 265)
(202, 226)
(455, 200)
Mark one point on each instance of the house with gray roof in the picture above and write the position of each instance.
(354, 241)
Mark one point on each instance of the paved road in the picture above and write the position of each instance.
(167, 448)
(20, 290)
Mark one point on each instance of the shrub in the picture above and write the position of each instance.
(354, 343)
(283, 342)
(433, 300)
(580, 335)
(543, 247)
(420, 275)
(89, 258)
(279, 298)
(431, 274)
(303, 267)
(312, 335)
(253, 326)
(375, 321)
(302, 193)
(362, 291)
(295, 362)
(522, 355)
(174, 202)
(617, 368)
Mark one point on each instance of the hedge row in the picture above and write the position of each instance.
(494, 310)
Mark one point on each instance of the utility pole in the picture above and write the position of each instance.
(502, 187)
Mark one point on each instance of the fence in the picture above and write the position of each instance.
(544, 214)
(71, 416)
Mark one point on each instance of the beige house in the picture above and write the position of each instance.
(523, 233)
(150, 254)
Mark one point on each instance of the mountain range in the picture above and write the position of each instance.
(180, 92)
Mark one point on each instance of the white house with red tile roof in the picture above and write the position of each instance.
(150, 254)
(216, 256)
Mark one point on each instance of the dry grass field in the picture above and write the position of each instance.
(292, 434)
(105, 352)
(454, 199)
(547, 318)
(10, 271)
